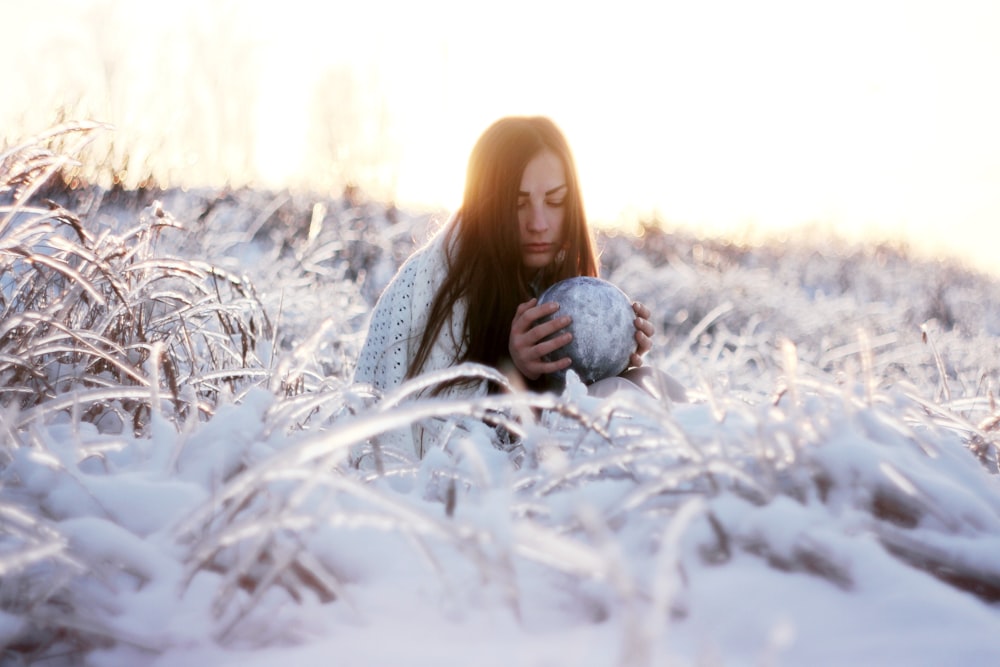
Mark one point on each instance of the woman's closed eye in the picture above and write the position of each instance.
(551, 203)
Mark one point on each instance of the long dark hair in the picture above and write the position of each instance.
(484, 253)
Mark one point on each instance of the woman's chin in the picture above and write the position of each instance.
(536, 261)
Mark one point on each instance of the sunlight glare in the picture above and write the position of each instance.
(872, 118)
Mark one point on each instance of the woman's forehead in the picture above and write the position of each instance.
(543, 173)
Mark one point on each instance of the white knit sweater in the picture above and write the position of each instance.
(398, 322)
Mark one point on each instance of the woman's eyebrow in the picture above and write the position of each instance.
(554, 190)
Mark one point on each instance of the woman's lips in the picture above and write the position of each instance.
(538, 247)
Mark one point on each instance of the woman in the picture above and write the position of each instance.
(470, 293)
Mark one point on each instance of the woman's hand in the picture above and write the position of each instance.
(528, 346)
(643, 334)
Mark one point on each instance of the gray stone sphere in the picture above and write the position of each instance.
(603, 327)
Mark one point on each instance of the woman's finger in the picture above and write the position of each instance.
(540, 332)
(520, 324)
(643, 343)
(552, 344)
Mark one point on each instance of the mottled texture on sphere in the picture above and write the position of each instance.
(603, 327)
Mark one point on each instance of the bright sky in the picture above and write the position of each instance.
(876, 115)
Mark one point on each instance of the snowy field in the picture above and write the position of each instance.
(186, 476)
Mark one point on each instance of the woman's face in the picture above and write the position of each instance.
(540, 203)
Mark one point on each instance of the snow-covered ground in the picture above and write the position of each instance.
(828, 497)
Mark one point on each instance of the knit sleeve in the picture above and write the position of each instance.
(399, 318)
(395, 329)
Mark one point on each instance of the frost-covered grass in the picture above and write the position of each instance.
(188, 477)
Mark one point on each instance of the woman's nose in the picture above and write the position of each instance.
(537, 219)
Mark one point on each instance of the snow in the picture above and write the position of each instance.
(779, 518)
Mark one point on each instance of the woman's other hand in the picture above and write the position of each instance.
(528, 346)
(643, 334)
